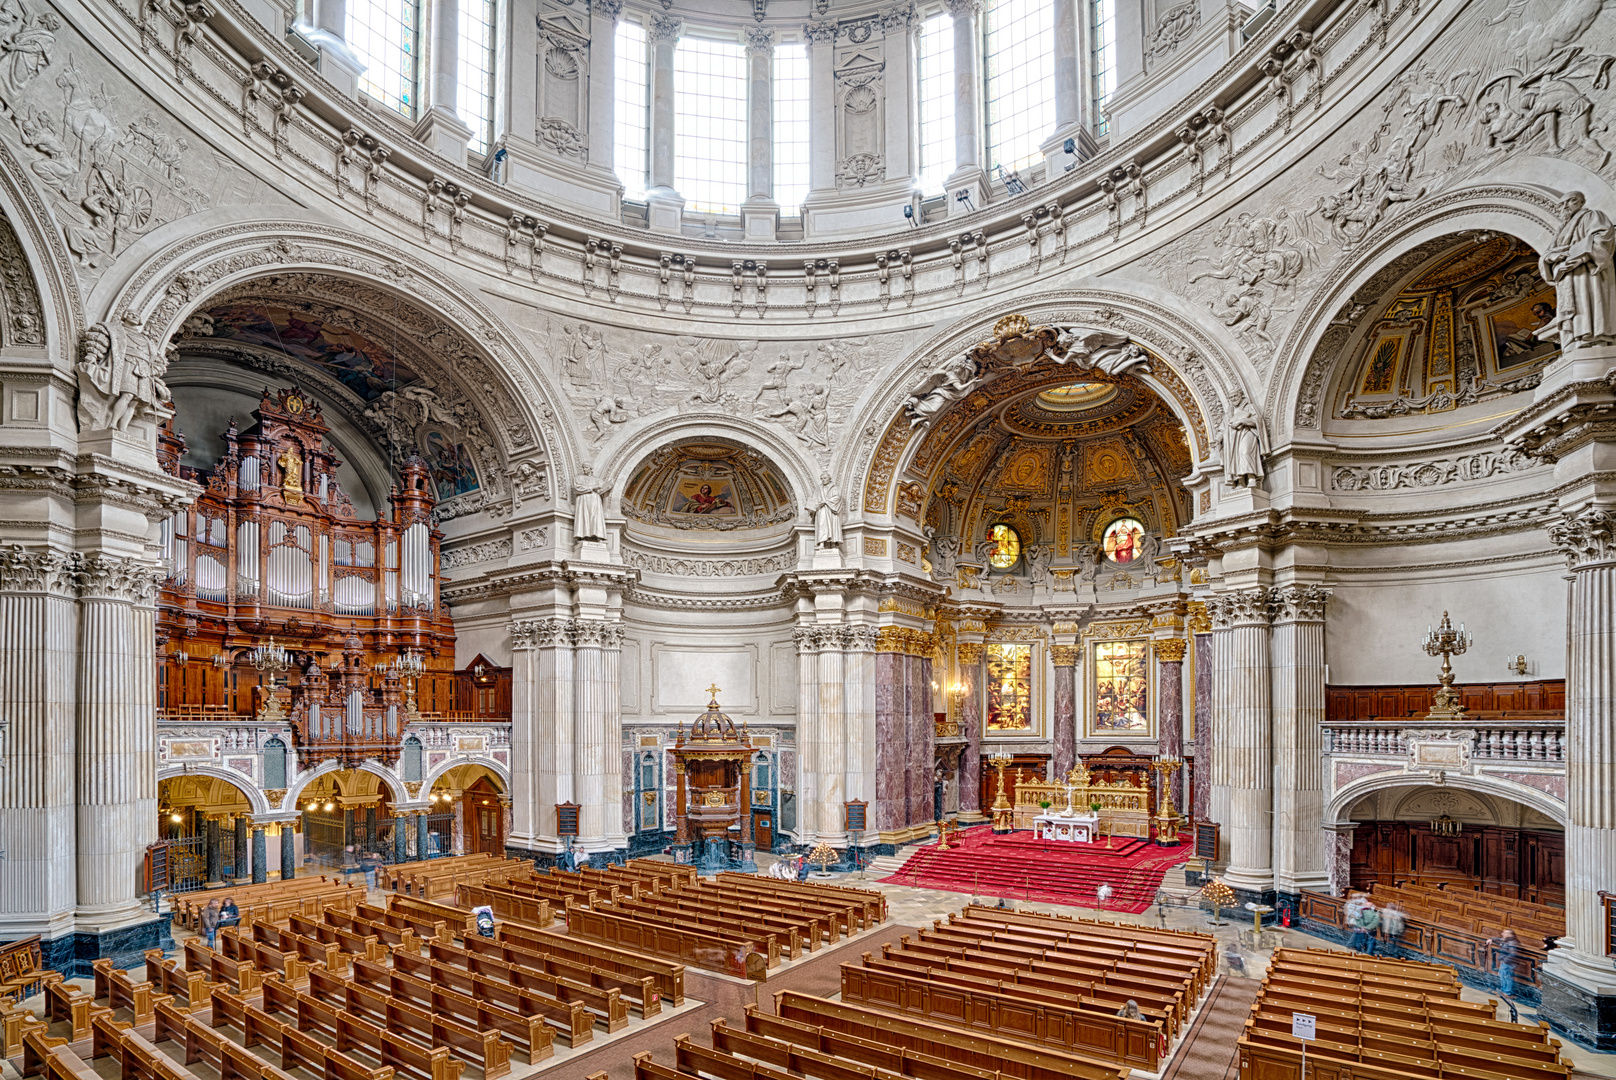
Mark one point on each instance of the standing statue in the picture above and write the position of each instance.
(120, 374)
(944, 552)
(1244, 444)
(828, 515)
(1038, 557)
(1579, 265)
(588, 515)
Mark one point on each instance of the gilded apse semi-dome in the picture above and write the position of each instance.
(709, 486)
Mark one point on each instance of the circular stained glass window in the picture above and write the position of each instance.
(1006, 547)
(1123, 539)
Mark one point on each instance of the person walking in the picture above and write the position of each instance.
(210, 921)
(1392, 924)
(1370, 921)
(371, 864)
(1507, 948)
(1351, 915)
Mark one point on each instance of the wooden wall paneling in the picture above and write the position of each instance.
(1349, 703)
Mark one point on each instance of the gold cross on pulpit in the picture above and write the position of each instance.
(713, 690)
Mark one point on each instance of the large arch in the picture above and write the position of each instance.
(394, 785)
(1195, 389)
(621, 459)
(40, 261)
(501, 772)
(482, 356)
(1336, 807)
(249, 790)
(1310, 355)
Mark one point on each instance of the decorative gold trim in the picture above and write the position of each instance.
(412, 788)
(875, 545)
(1065, 655)
(275, 796)
(1171, 650)
(902, 639)
(969, 652)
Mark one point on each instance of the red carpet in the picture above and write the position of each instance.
(1020, 867)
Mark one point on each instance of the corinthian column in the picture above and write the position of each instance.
(1065, 658)
(760, 215)
(860, 667)
(1301, 852)
(603, 88)
(1242, 771)
(116, 737)
(807, 640)
(832, 742)
(970, 167)
(541, 730)
(1170, 659)
(598, 745)
(38, 886)
(664, 203)
(1578, 985)
(969, 657)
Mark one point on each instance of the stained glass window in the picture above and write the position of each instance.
(384, 35)
(1123, 540)
(1009, 687)
(1006, 547)
(1121, 688)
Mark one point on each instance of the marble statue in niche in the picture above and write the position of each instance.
(588, 514)
(1245, 442)
(828, 515)
(1579, 265)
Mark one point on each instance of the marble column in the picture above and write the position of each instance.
(760, 215)
(240, 868)
(970, 166)
(1170, 696)
(260, 855)
(821, 39)
(806, 638)
(210, 840)
(440, 126)
(1069, 81)
(38, 886)
(1065, 658)
(920, 776)
(603, 15)
(401, 838)
(665, 206)
(1241, 715)
(611, 666)
(887, 808)
(594, 755)
(859, 697)
(516, 107)
(1300, 855)
(457, 841)
(1579, 987)
(1202, 793)
(421, 850)
(969, 656)
(115, 736)
(288, 852)
(902, 117)
(1338, 855)
(832, 749)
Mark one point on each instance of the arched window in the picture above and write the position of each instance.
(1019, 46)
(274, 765)
(412, 759)
(1006, 547)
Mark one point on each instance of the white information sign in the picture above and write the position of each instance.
(1304, 1025)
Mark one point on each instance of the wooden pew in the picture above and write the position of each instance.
(668, 977)
(53, 1059)
(638, 991)
(735, 955)
(425, 929)
(571, 1018)
(606, 1004)
(296, 1048)
(16, 1024)
(364, 945)
(169, 978)
(351, 1031)
(506, 904)
(122, 992)
(460, 921)
(529, 1030)
(361, 927)
(238, 946)
(783, 938)
(64, 1003)
(307, 950)
(138, 1059)
(485, 1048)
(819, 1022)
(868, 908)
(218, 967)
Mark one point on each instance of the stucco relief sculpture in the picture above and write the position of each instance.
(588, 513)
(828, 515)
(1579, 265)
(120, 374)
(1245, 442)
(940, 389)
(943, 551)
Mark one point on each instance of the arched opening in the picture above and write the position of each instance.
(470, 812)
(345, 814)
(206, 821)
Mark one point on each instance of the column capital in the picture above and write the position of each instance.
(540, 633)
(901, 17)
(963, 8)
(1299, 603)
(759, 40)
(820, 33)
(1170, 650)
(1587, 537)
(663, 29)
(1061, 655)
(970, 652)
(610, 9)
(1241, 607)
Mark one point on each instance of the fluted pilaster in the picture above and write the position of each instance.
(1065, 658)
(597, 722)
(542, 729)
(1301, 855)
(807, 639)
(1242, 707)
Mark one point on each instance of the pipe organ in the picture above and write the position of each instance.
(272, 549)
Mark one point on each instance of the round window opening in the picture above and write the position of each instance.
(1006, 547)
(1123, 539)
(1077, 396)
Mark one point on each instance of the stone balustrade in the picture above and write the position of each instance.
(1490, 741)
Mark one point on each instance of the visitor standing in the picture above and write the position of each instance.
(1507, 948)
(210, 921)
(1392, 924)
(1369, 920)
(371, 864)
(1351, 914)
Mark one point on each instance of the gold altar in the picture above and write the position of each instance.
(1124, 806)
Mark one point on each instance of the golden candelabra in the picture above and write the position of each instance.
(1000, 762)
(1447, 643)
(1166, 813)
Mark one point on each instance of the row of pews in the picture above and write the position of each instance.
(1476, 912)
(739, 924)
(437, 879)
(1383, 1019)
(272, 900)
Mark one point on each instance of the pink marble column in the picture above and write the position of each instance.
(1170, 697)
(1065, 658)
(1203, 727)
(920, 774)
(1340, 857)
(891, 752)
(970, 718)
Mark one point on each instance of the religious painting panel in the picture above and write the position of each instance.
(1513, 332)
(1123, 540)
(1121, 704)
(707, 498)
(452, 470)
(1009, 687)
(1006, 547)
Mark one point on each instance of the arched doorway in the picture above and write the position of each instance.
(205, 822)
(347, 808)
(470, 812)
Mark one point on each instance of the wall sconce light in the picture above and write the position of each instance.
(221, 661)
(479, 671)
(1446, 826)
(181, 657)
(330, 806)
(1519, 665)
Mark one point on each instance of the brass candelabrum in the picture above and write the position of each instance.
(1447, 643)
(1166, 813)
(1000, 762)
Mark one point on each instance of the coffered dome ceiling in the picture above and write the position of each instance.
(1061, 462)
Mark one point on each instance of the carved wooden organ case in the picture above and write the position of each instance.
(272, 548)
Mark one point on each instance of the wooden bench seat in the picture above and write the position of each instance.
(869, 908)
(638, 991)
(390, 936)
(53, 1059)
(363, 945)
(122, 992)
(296, 1048)
(238, 946)
(667, 977)
(488, 1049)
(424, 928)
(459, 920)
(731, 954)
(16, 1024)
(169, 978)
(506, 904)
(525, 1025)
(790, 934)
(240, 974)
(608, 1005)
(68, 1004)
(350, 1031)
